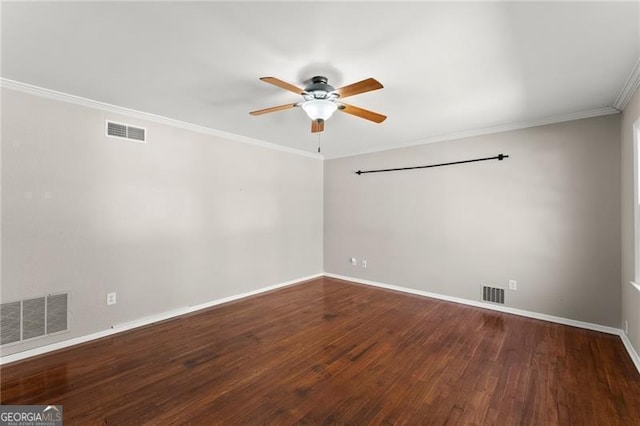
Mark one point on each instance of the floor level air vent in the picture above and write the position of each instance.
(124, 131)
(493, 294)
(33, 317)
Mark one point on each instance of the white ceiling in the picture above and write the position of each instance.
(446, 67)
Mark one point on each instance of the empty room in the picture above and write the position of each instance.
(342, 212)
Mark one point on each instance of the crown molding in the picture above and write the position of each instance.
(90, 103)
(560, 118)
(632, 83)
(629, 88)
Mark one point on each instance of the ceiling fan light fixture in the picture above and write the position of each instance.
(319, 109)
(320, 100)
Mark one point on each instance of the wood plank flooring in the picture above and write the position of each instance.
(332, 352)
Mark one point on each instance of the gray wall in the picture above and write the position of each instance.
(184, 219)
(630, 295)
(548, 217)
(188, 218)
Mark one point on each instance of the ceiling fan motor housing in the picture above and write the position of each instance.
(320, 89)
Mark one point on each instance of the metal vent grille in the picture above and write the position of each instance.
(124, 131)
(56, 313)
(117, 130)
(493, 294)
(135, 133)
(34, 317)
(10, 322)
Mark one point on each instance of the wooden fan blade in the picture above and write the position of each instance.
(317, 126)
(360, 87)
(363, 113)
(282, 84)
(273, 109)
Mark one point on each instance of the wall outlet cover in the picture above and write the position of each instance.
(111, 299)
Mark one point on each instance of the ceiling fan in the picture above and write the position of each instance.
(321, 100)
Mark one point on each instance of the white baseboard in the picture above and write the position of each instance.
(118, 328)
(478, 304)
(629, 347)
(551, 318)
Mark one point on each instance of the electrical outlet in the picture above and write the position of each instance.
(364, 263)
(626, 327)
(354, 261)
(513, 285)
(111, 299)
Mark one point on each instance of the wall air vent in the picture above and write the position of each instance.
(33, 317)
(124, 131)
(10, 322)
(57, 308)
(33, 314)
(493, 294)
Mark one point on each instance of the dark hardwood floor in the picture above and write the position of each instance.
(328, 351)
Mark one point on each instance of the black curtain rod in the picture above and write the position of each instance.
(497, 157)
